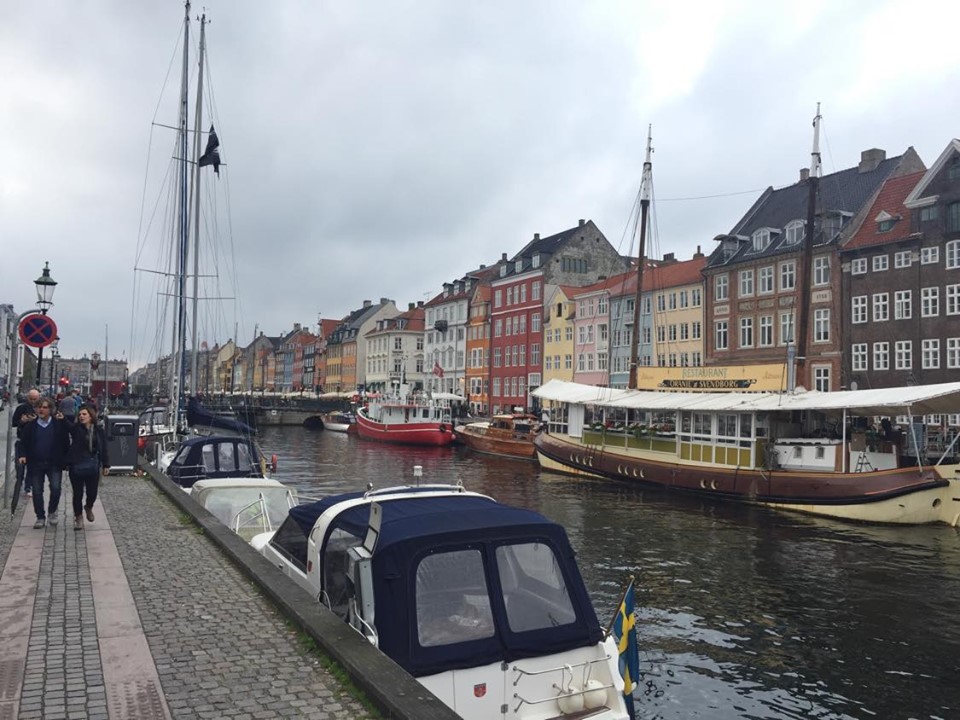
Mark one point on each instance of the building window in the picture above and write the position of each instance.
(929, 255)
(901, 259)
(720, 335)
(953, 353)
(858, 266)
(496, 357)
(953, 299)
(746, 283)
(886, 225)
(880, 263)
(498, 328)
(761, 239)
(859, 309)
(695, 297)
(821, 378)
(903, 304)
(661, 333)
(881, 356)
(567, 333)
(497, 300)
(859, 357)
(673, 332)
(929, 302)
(765, 280)
(952, 253)
(788, 275)
(953, 217)
(720, 287)
(535, 322)
(673, 301)
(646, 335)
(684, 331)
(695, 330)
(794, 232)
(821, 270)
(928, 213)
(602, 306)
(661, 303)
(746, 332)
(766, 331)
(821, 325)
(881, 307)
(931, 354)
(903, 355)
(684, 299)
(786, 328)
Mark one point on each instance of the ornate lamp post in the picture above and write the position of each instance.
(45, 287)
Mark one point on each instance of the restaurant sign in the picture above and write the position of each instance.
(732, 378)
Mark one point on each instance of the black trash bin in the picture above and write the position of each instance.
(122, 432)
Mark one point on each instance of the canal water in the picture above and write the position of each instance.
(743, 612)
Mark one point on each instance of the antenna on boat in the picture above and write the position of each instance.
(645, 182)
(417, 473)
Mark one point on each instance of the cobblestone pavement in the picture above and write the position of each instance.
(218, 647)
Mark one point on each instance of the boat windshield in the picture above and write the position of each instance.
(236, 503)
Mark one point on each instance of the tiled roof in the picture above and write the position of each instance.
(890, 200)
(675, 274)
(845, 191)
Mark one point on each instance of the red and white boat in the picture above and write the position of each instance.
(408, 420)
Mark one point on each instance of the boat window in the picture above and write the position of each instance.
(726, 428)
(291, 542)
(534, 591)
(244, 457)
(181, 457)
(335, 568)
(453, 603)
(209, 464)
(227, 458)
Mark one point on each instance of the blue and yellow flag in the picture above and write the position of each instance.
(625, 633)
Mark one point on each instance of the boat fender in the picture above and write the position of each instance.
(273, 463)
(570, 698)
(595, 694)
(443, 428)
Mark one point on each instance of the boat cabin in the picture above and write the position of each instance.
(216, 456)
(482, 602)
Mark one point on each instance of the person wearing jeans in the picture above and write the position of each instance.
(87, 459)
(43, 449)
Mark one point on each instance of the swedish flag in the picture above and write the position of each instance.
(625, 633)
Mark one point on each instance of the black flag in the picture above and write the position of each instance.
(211, 156)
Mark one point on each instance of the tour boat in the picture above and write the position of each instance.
(507, 435)
(803, 450)
(408, 420)
(483, 603)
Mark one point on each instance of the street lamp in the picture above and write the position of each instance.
(45, 287)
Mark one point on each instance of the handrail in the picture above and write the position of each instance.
(263, 514)
(521, 672)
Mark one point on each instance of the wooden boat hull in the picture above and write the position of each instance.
(412, 433)
(903, 495)
(492, 443)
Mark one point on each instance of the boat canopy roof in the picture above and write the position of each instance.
(915, 399)
(418, 565)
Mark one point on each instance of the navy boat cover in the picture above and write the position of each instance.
(197, 414)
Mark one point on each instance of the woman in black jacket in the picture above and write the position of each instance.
(87, 458)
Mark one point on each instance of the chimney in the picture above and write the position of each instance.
(482, 266)
(536, 236)
(296, 327)
(697, 254)
(385, 301)
(410, 306)
(870, 159)
(804, 174)
(367, 303)
(669, 258)
(582, 222)
(503, 258)
(419, 303)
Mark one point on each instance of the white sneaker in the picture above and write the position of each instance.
(54, 520)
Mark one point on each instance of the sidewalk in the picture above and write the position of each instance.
(140, 616)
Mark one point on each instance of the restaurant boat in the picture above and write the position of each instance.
(408, 419)
(507, 435)
(483, 603)
(798, 450)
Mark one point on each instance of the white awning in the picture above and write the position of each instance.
(915, 399)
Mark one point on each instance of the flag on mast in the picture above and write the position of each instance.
(624, 632)
(211, 156)
(437, 370)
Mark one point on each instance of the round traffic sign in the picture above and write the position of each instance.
(37, 330)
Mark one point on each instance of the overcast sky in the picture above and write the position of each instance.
(381, 149)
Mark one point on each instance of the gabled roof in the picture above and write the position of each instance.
(413, 318)
(552, 243)
(843, 192)
(917, 197)
(888, 203)
(675, 274)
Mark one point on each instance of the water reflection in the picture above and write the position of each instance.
(744, 612)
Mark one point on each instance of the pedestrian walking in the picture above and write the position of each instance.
(67, 406)
(87, 459)
(22, 414)
(44, 446)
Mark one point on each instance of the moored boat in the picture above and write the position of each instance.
(214, 456)
(339, 421)
(252, 507)
(507, 435)
(798, 451)
(407, 420)
(483, 603)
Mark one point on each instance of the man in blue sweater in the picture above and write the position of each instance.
(43, 446)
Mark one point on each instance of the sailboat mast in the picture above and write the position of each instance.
(645, 182)
(806, 256)
(176, 380)
(196, 203)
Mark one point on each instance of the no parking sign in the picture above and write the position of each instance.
(37, 330)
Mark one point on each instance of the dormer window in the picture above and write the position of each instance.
(503, 271)
(518, 265)
(761, 239)
(885, 225)
(535, 261)
(794, 232)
